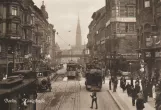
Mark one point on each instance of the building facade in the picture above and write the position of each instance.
(121, 38)
(24, 35)
(149, 35)
(96, 36)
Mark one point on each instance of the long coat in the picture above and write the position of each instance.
(140, 103)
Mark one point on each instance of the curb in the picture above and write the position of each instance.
(117, 102)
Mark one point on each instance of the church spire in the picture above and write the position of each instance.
(78, 34)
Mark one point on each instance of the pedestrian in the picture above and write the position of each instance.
(134, 95)
(123, 86)
(137, 87)
(137, 81)
(110, 83)
(145, 92)
(103, 75)
(94, 99)
(115, 82)
(128, 88)
(140, 102)
(121, 80)
(132, 81)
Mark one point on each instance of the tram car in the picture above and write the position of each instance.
(44, 80)
(71, 70)
(93, 78)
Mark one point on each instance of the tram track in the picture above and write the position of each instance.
(76, 105)
(58, 86)
(70, 92)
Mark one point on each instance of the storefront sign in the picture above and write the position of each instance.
(15, 37)
(157, 54)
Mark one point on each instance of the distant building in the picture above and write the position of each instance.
(75, 50)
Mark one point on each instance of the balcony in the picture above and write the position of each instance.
(14, 18)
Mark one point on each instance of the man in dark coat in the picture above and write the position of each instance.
(145, 92)
(121, 80)
(110, 82)
(128, 88)
(94, 99)
(137, 88)
(123, 86)
(115, 82)
(134, 95)
(140, 102)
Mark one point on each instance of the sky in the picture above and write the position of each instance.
(63, 14)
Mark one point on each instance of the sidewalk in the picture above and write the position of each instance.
(125, 102)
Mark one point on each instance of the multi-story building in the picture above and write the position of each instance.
(96, 36)
(121, 39)
(148, 34)
(23, 34)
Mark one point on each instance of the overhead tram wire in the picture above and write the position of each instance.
(62, 39)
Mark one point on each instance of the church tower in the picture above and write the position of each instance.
(43, 9)
(78, 35)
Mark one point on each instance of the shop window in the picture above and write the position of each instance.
(122, 27)
(14, 11)
(147, 3)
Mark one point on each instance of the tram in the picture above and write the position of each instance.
(93, 78)
(71, 70)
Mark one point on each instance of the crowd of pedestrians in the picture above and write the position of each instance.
(133, 91)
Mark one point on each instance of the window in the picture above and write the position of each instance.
(131, 11)
(14, 11)
(32, 19)
(131, 27)
(10, 49)
(147, 3)
(14, 27)
(122, 27)
(113, 13)
(122, 12)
